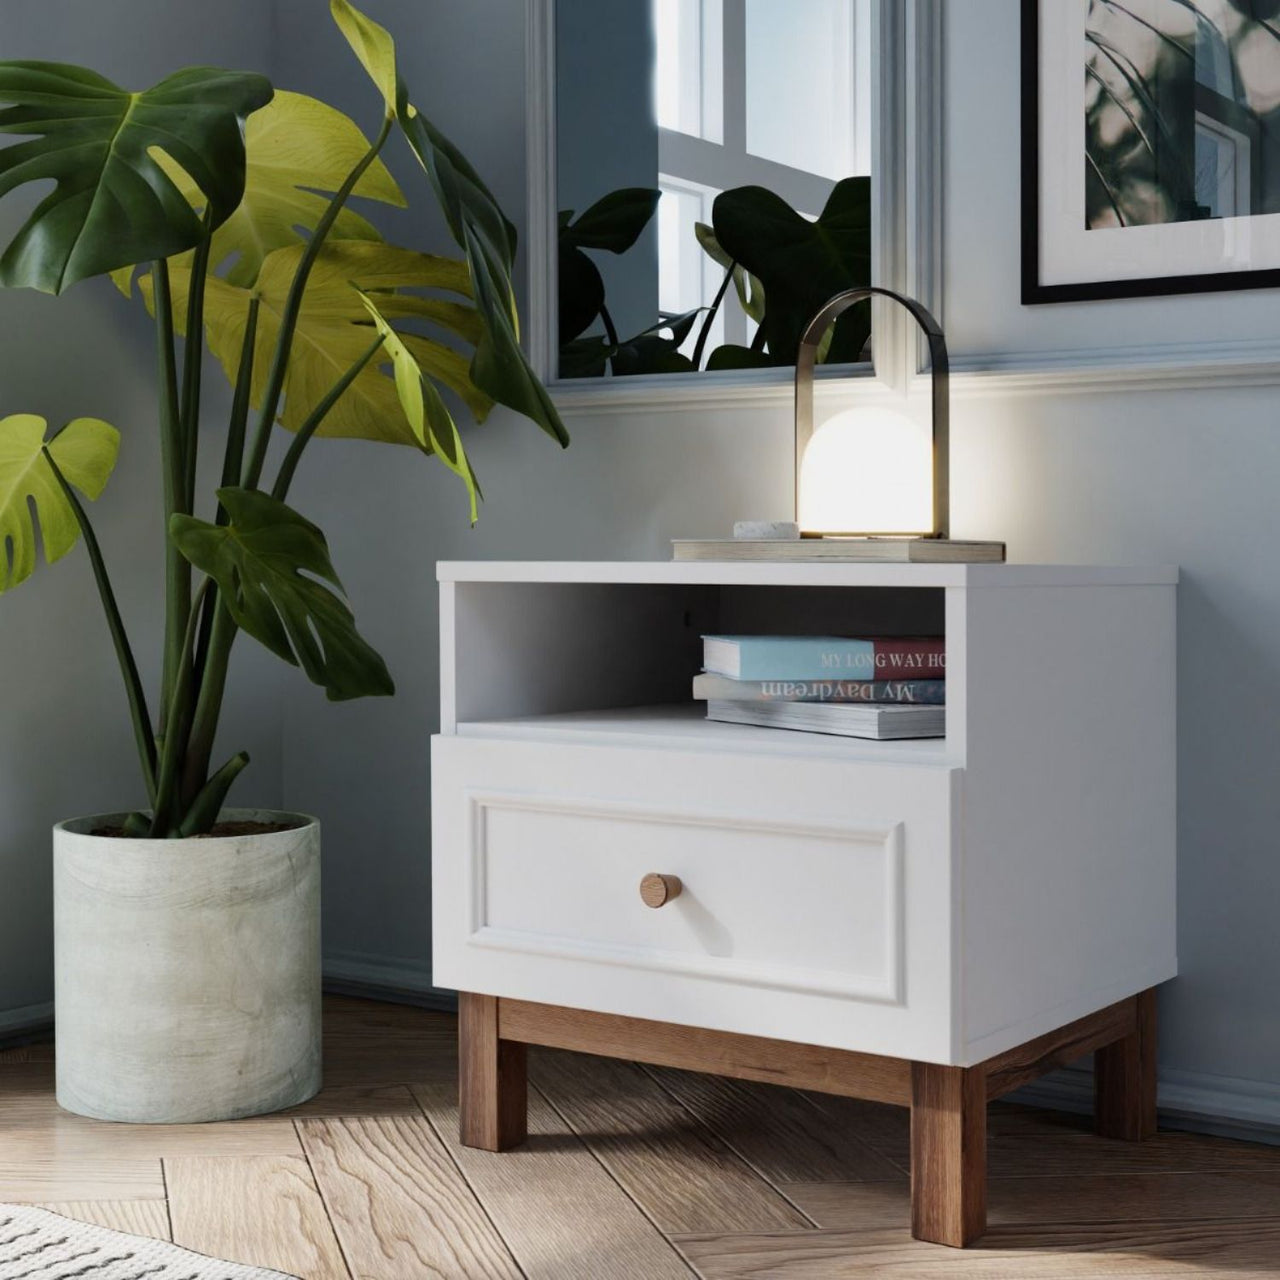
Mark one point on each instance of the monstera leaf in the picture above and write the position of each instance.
(802, 264)
(424, 408)
(113, 203)
(85, 452)
(334, 330)
(656, 350)
(749, 290)
(499, 367)
(272, 566)
(613, 224)
(373, 45)
(295, 147)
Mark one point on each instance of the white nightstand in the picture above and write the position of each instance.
(928, 923)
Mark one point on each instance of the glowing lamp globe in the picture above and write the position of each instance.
(867, 471)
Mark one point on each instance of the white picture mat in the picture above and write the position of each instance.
(1072, 254)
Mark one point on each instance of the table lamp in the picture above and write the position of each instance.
(870, 474)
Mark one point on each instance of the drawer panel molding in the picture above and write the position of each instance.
(787, 905)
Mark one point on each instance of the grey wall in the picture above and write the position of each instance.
(1146, 476)
(1185, 477)
(65, 742)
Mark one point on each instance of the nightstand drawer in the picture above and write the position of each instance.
(798, 880)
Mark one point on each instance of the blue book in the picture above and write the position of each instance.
(825, 657)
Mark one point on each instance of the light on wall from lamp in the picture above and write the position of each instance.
(867, 468)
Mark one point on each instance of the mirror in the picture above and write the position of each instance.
(713, 183)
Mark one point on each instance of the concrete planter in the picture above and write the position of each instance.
(187, 971)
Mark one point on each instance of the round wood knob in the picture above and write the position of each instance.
(657, 890)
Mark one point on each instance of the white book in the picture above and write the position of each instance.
(846, 719)
(883, 550)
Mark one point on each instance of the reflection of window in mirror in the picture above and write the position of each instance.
(713, 162)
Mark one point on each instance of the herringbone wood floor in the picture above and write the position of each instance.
(629, 1172)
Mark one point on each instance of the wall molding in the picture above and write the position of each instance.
(1192, 1100)
(32, 1019)
(1119, 371)
(1195, 1101)
(1190, 366)
(373, 977)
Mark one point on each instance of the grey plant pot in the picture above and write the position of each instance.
(187, 980)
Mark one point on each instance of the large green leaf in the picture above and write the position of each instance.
(499, 368)
(334, 330)
(614, 223)
(749, 290)
(372, 44)
(113, 203)
(272, 566)
(296, 147)
(424, 408)
(802, 264)
(580, 293)
(85, 451)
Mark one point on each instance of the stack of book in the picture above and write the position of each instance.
(882, 688)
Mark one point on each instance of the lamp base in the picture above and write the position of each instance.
(881, 550)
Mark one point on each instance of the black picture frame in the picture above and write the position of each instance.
(1034, 292)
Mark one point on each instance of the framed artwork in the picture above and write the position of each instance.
(1150, 147)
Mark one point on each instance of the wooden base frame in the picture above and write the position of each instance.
(948, 1104)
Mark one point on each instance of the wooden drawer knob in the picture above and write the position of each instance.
(657, 890)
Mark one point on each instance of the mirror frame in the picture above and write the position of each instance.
(906, 222)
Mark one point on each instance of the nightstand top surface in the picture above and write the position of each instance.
(805, 573)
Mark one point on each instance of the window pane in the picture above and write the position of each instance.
(679, 255)
(677, 87)
(800, 84)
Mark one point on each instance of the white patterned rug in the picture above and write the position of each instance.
(38, 1245)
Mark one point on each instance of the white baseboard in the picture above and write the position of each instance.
(1191, 1100)
(359, 973)
(29, 1020)
(1201, 1103)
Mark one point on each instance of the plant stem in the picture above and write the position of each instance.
(192, 357)
(213, 682)
(167, 804)
(232, 460)
(233, 457)
(610, 329)
(177, 570)
(293, 307)
(705, 332)
(316, 417)
(203, 814)
(204, 723)
(138, 713)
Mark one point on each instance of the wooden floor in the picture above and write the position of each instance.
(629, 1173)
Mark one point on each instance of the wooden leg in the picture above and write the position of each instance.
(492, 1088)
(1124, 1079)
(948, 1153)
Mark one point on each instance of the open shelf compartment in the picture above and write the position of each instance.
(612, 663)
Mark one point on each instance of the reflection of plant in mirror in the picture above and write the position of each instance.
(782, 266)
(232, 201)
(612, 225)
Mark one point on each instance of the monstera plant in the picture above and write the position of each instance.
(223, 206)
(187, 965)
